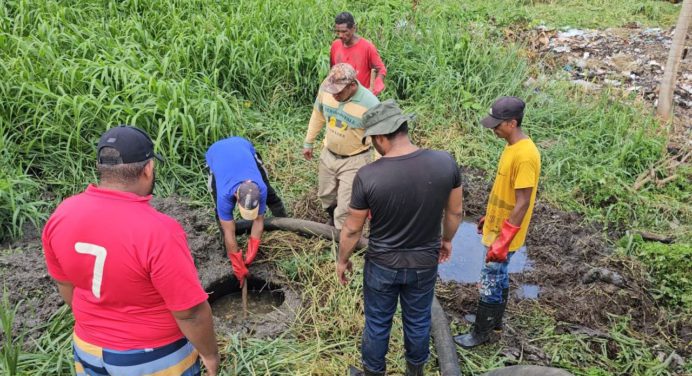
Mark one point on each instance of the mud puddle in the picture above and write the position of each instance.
(527, 291)
(259, 303)
(226, 300)
(468, 253)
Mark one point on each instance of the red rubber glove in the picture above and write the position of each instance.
(378, 87)
(239, 268)
(252, 248)
(498, 250)
(479, 226)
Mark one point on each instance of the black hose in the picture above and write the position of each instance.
(446, 350)
(300, 226)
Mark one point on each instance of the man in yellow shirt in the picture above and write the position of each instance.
(340, 105)
(507, 215)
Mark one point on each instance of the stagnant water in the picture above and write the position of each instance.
(467, 259)
(527, 291)
(230, 307)
(227, 302)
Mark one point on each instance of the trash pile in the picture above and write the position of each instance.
(630, 58)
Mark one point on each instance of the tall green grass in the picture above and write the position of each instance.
(192, 72)
(48, 354)
(11, 345)
(573, 13)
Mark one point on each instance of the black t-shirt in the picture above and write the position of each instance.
(406, 196)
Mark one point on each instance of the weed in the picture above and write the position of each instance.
(11, 344)
(668, 265)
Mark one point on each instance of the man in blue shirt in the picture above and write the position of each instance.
(237, 176)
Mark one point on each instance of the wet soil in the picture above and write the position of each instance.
(581, 282)
(270, 309)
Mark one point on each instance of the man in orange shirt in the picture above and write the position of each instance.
(358, 52)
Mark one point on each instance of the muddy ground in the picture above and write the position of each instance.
(581, 282)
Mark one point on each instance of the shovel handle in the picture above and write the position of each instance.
(244, 296)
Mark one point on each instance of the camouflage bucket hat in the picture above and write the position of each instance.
(385, 118)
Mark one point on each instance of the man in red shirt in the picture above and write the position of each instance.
(357, 51)
(127, 272)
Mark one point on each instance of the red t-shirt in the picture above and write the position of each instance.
(362, 56)
(130, 266)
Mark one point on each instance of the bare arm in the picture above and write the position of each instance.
(257, 227)
(454, 213)
(228, 228)
(65, 289)
(523, 199)
(350, 234)
(198, 327)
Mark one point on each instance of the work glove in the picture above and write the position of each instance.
(238, 265)
(500, 247)
(252, 248)
(378, 86)
(479, 226)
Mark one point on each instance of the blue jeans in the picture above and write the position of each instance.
(494, 278)
(382, 288)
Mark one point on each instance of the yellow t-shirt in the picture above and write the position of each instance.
(519, 167)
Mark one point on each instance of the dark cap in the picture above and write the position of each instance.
(133, 144)
(339, 77)
(248, 199)
(505, 108)
(385, 118)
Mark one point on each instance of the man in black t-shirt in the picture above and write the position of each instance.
(413, 195)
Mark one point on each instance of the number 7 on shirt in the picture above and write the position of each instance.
(100, 254)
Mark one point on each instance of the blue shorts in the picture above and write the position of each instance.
(177, 358)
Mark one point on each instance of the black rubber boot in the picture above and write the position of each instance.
(414, 370)
(353, 371)
(367, 372)
(277, 209)
(330, 213)
(487, 317)
(471, 317)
